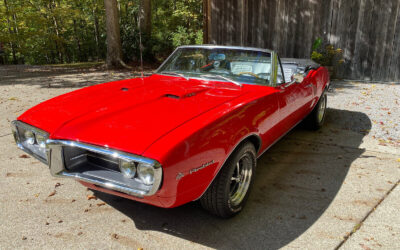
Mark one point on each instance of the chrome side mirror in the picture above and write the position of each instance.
(297, 78)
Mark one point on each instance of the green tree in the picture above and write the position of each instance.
(63, 31)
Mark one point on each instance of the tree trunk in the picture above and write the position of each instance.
(78, 42)
(114, 47)
(145, 16)
(59, 46)
(12, 44)
(96, 29)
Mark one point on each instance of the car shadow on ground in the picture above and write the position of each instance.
(296, 181)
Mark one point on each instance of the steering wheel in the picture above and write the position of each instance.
(249, 73)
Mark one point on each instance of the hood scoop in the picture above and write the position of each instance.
(172, 96)
(185, 93)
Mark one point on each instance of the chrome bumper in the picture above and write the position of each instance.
(102, 177)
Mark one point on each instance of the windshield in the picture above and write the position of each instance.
(235, 65)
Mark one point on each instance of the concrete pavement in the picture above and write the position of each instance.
(313, 190)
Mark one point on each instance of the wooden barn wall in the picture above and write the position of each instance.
(368, 31)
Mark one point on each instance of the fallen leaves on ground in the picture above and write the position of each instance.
(52, 193)
(365, 247)
(91, 197)
(24, 156)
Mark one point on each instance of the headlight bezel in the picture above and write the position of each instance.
(19, 129)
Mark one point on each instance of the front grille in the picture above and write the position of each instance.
(99, 166)
(78, 159)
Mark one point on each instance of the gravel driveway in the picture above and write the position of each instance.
(313, 190)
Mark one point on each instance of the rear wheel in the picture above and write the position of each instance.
(316, 118)
(229, 191)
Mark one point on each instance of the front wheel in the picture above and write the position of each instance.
(316, 118)
(228, 193)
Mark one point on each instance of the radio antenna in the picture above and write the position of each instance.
(140, 38)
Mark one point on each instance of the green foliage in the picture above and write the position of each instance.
(327, 55)
(317, 44)
(64, 31)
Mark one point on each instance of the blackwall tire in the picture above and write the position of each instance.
(229, 191)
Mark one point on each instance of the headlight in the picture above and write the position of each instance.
(41, 140)
(128, 168)
(146, 173)
(30, 139)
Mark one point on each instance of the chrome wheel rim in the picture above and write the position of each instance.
(240, 180)
(321, 109)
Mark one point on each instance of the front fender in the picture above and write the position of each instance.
(191, 160)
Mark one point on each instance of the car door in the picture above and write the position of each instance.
(292, 98)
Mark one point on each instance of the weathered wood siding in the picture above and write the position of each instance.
(368, 31)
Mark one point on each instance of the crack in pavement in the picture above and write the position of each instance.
(359, 225)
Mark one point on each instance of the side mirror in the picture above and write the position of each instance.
(297, 78)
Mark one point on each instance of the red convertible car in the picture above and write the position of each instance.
(193, 130)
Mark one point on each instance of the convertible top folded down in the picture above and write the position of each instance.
(293, 65)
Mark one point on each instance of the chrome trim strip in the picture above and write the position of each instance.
(212, 46)
(103, 183)
(57, 168)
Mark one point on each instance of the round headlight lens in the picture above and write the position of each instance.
(41, 141)
(29, 137)
(146, 173)
(128, 168)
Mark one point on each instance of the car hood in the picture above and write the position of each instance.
(129, 115)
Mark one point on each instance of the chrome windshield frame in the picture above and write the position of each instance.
(209, 46)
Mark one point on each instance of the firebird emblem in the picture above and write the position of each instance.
(201, 167)
(180, 175)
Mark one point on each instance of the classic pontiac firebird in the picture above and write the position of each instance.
(192, 130)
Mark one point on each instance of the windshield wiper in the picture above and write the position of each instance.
(223, 78)
(174, 74)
